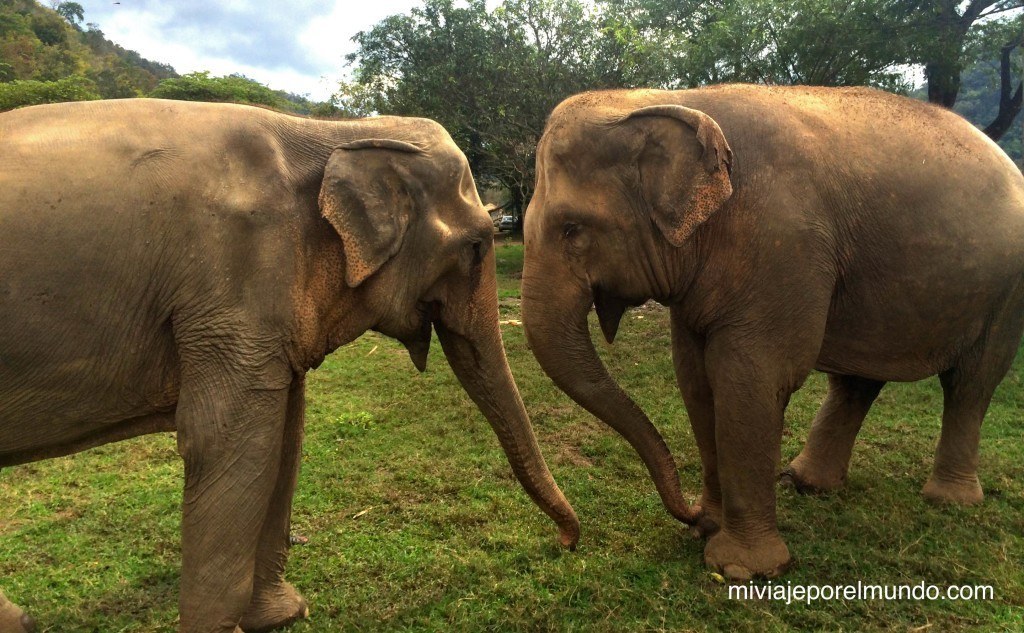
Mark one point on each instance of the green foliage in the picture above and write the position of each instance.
(979, 102)
(49, 57)
(19, 93)
(50, 29)
(352, 100)
(817, 42)
(43, 45)
(200, 86)
(491, 77)
(72, 12)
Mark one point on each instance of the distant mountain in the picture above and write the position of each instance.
(46, 45)
(47, 56)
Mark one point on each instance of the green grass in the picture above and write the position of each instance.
(416, 523)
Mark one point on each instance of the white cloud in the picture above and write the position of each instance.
(296, 46)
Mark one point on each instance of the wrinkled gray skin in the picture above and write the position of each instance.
(178, 266)
(869, 236)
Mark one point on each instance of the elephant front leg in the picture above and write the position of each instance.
(688, 360)
(751, 390)
(275, 603)
(230, 431)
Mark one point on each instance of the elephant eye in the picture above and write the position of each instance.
(570, 230)
(475, 250)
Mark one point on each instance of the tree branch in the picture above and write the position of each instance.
(1009, 102)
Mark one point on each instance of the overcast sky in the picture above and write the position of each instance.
(298, 46)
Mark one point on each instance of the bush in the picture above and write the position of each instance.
(17, 94)
(200, 86)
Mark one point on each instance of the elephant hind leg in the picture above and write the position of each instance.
(13, 619)
(825, 459)
(967, 391)
(954, 478)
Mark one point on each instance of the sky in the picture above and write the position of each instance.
(298, 46)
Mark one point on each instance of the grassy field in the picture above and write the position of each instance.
(415, 522)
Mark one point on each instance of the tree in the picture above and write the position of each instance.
(490, 78)
(72, 12)
(200, 86)
(816, 42)
(38, 43)
(945, 29)
(995, 49)
(835, 42)
(19, 93)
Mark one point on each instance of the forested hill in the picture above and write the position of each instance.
(52, 46)
(50, 55)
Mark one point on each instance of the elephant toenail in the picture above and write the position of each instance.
(737, 572)
(27, 623)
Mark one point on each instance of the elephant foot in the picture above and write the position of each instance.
(963, 491)
(21, 624)
(273, 608)
(767, 557)
(13, 619)
(811, 481)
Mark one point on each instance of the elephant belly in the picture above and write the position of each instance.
(910, 331)
(78, 384)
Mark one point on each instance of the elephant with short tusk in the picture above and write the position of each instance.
(180, 266)
(867, 235)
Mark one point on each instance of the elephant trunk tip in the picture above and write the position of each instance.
(569, 533)
(690, 515)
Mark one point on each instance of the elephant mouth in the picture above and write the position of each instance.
(418, 343)
(609, 310)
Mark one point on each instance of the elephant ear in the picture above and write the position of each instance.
(366, 198)
(680, 196)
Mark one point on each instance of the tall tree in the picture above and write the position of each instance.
(996, 48)
(944, 29)
(72, 12)
(490, 77)
(835, 42)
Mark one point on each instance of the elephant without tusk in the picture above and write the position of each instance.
(180, 266)
(863, 234)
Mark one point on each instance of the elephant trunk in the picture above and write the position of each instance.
(555, 319)
(468, 330)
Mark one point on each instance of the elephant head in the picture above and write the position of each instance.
(418, 254)
(620, 192)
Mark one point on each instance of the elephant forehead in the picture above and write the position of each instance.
(577, 173)
(451, 183)
(566, 194)
(585, 147)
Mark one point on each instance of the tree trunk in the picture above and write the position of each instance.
(943, 67)
(1009, 102)
(943, 82)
